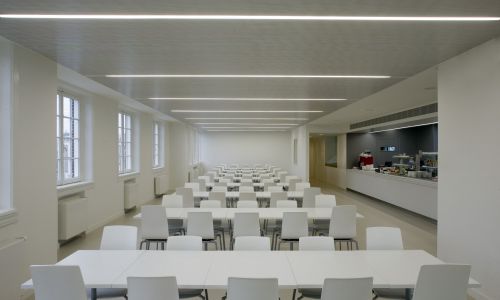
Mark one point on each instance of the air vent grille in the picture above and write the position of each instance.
(411, 113)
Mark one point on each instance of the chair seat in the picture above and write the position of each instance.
(310, 293)
(109, 293)
(189, 293)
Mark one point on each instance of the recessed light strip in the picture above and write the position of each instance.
(245, 130)
(250, 124)
(403, 127)
(244, 111)
(243, 127)
(281, 119)
(240, 76)
(249, 99)
(250, 17)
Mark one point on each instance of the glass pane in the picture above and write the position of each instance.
(58, 104)
(128, 149)
(67, 148)
(68, 169)
(58, 127)
(58, 148)
(127, 121)
(76, 129)
(76, 109)
(66, 107)
(66, 127)
(76, 148)
(120, 116)
(128, 135)
(120, 166)
(58, 167)
(120, 150)
(120, 137)
(128, 163)
(76, 168)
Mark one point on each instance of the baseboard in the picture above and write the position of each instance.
(478, 294)
(104, 222)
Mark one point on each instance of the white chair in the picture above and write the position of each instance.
(185, 243)
(202, 184)
(294, 226)
(300, 186)
(247, 204)
(192, 185)
(57, 282)
(348, 289)
(286, 204)
(224, 184)
(252, 289)
(210, 204)
(220, 188)
(246, 189)
(248, 196)
(267, 185)
(218, 195)
(290, 177)
(218, 227)
(246, 183)
(275, 188)
(252, 243)
(245, 224)
(325, 201)
(152, 288)
(174, 201)
(292, 183)
(119, 237)
(187, 196)
(309, 196)
(384, 238)
(343, 225)
(154, 226)
(226, 179)
(202, 224)
(277, 196)
(443, 282)
(282, 176)
(316, 243)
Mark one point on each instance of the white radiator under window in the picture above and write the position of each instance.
(130, 196)
(161, 185)
(72, 216)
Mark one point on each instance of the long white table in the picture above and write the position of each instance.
(210, 269)
(260, 195)
(265, 213)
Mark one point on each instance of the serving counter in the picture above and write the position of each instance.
(416, 195)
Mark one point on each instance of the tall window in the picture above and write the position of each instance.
(157, 145)
(68, 139)
(124, 143)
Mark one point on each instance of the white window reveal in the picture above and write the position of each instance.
(125, 158)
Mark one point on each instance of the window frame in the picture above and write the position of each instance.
(158, 145)
(122, 143)
(61, 160)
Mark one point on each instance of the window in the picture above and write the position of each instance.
(68, 139)
(124, 143)
(157, 145)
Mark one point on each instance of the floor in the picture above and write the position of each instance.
(418, 232)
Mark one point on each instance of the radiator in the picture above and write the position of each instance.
(13, 266)
(161, 185)
(130, 195)
(72, 216)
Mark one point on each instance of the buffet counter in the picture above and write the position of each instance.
(413, 194)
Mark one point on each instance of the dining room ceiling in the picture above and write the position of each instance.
(395, 49)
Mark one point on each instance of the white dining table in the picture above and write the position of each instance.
(211, 269)
(260, 195)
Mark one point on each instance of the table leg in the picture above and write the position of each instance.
(93, 294)
(408, 294)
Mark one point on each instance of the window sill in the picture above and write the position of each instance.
(73, 188)
(8, 217)
(157, 170)
(128, 176)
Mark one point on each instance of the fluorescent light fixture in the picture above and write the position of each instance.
(250, 99)
(240, 76)
(245, 130)
(250, 124)
(250, 17)
(245, 127)
(281, 119)
(403, 127)
(244, 111)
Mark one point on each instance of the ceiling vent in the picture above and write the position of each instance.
(411, 113)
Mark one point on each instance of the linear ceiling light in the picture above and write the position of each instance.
(403, 127)
(281, 119)
(243, 127)
(242, 130)
(240, 76)
(250, 17)
(252, 99)
(244, 111)
(275, 124)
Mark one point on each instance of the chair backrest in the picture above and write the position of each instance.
(300, 186)
(187, 196)
(216, 195)
(290, 177)
(246, 183)
(384, 238)
(326, 201)
(343, 222)
(246, 189)
(220, 184)
(294, 225)
(226, 179)
(286, 204)
(247, 204)
(185, 243)
(282, 176)
(210, 204)
(193, 185)
(248, 196)
(267, 185)
(202, 184)
(152, 288)
(316, 243)
(252, 243)
(154, 223)
(58, 282)
(220, 188)
(172, 201)
(252, 289)
(119, 237)
(246, 224)
(292, 182)
(443, 282)
(200, 224)
(275, 188)
(276, 196)
(348, 288)
(309, 195)
(267, 180)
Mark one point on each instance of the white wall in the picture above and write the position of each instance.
(301, 167)
(319, 171)
(469, 190)
(180, 153)
(34, 182)
(246, 148)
